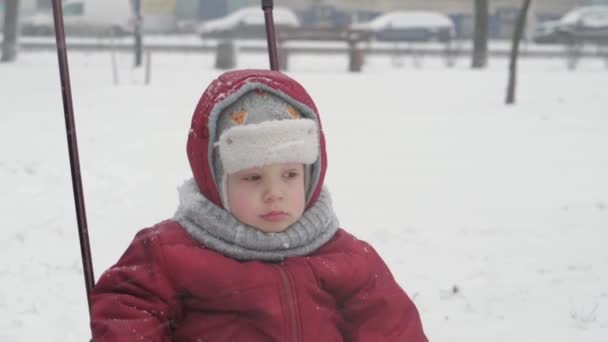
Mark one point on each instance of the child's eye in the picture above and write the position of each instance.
(251, 178)
(291, 174)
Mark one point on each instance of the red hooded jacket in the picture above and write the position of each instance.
(168, 286)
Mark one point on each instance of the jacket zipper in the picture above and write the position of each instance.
(290, 305)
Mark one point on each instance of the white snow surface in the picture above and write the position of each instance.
(493, 218)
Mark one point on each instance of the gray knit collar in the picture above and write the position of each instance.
(219, 230)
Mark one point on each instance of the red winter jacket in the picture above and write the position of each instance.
(167, 287)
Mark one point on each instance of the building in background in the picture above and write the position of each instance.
(167, 15)
(200, 10)
(595, 2)
(26, 7)
(445, 6)
(503, 13)
(159, 15)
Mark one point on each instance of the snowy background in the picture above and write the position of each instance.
(493, 218)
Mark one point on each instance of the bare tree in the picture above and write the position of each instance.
(137, 33)
(480, 35)
(517, 34)
(11, 30)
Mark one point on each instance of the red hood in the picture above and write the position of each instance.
(223, 91)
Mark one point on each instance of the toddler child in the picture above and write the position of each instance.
(254, 251)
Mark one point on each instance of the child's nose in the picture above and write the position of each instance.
(273, 192)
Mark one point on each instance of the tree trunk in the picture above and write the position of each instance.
(517, 34)
(480, 35)
(11, 31)
(138, 45)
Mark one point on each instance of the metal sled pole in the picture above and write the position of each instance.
(66, 92)
(267, 6)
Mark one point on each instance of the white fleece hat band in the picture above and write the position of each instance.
(269, 142)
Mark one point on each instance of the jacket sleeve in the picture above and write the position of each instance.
(134, 300)
(379, 310)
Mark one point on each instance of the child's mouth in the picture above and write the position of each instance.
(274, 216)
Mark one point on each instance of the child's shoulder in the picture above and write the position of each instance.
(345, 242)
(167, 232)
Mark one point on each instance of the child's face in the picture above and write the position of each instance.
(269, 198)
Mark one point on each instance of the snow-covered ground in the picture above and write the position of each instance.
(493, 218)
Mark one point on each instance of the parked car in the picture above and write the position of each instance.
(84, 17)
(588, 23)
(248, 22)
(546, 32)
(418, 26)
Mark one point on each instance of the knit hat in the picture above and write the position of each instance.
(258, 129)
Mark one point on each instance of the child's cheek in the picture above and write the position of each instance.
(242, 207)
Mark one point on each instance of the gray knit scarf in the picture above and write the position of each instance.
(219, 230)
